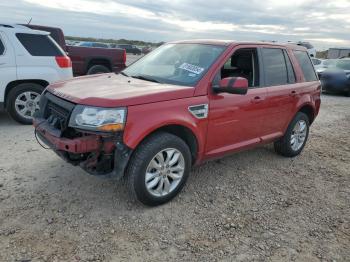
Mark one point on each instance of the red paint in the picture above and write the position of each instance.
(84, 57)
(234, 122)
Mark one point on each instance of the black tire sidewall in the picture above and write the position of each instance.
(98, 69)
(299, 116)
(141, 159)
(14, 93)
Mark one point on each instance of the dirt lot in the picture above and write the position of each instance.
(254, 205)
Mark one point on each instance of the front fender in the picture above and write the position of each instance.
(142, 120)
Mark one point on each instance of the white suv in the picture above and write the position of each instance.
(29, 61)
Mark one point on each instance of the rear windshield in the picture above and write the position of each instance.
(39, 45)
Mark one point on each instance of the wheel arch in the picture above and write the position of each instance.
(15, 83)
(309, 110)
(181, 131)
(98, 61)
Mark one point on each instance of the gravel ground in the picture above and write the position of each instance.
(251, 206)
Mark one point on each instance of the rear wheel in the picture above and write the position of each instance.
(294, 140)
(23, 102)
(98, 69)
(159, 168)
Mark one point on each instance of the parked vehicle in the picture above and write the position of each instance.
(325, 64)
(337, 78)
(182, 104)
(94, 44)
(29, 61)
(130, 49)
(88, 60)
(147, 49)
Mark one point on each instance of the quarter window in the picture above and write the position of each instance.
(305, 65)
(39, 45)
(274, 67)
(290, 70)
(2, 48)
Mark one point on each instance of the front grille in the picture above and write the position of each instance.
(56, 111)
(57, 116)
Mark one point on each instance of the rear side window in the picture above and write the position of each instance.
(39, 45)
(2, 48)
(306, 65)
(274, 67)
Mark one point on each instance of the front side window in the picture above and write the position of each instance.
(39, 45)
(306, 65)
(243, 63)
(2, 48)
(180, 64)
(274, 67)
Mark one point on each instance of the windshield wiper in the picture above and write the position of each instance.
(146, 78)
(122, 73)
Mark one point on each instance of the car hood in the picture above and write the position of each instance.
(111, 90)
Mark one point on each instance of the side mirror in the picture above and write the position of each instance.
(232, 85)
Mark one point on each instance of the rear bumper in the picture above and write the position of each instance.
(336, 86)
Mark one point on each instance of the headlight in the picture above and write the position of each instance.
(98, 118)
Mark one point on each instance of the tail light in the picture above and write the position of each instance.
(63, 61)
(124, 56)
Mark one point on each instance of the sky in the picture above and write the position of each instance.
(323, 23)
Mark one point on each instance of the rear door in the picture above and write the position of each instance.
(282, 90)
(7, 64)
(236, 121)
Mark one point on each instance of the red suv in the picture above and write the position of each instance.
(184, 103)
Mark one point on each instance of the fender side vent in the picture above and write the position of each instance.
(199, 111)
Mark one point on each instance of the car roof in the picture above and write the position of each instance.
(15, 28)
(233, 42)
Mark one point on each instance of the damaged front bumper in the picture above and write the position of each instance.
(97, 154)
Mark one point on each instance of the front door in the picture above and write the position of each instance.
(236, 121)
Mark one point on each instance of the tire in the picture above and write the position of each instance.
(159, 144)
(285, 146)
(23, 102)
(98, 69)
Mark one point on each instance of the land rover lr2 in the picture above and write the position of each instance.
(182, 104)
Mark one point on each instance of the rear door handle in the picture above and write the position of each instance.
(293, 93)
(257, 99)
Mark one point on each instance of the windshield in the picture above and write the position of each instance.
(343, 64)
(180, 64)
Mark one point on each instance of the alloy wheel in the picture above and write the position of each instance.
(165, 172)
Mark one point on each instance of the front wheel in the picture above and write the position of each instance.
(159, 168)
(294, 140)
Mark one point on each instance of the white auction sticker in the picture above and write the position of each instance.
(192, 68)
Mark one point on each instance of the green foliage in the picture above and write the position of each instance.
(113, 41)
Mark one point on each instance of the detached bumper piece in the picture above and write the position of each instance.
(97, 153)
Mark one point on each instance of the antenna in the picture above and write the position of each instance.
(30, 20)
